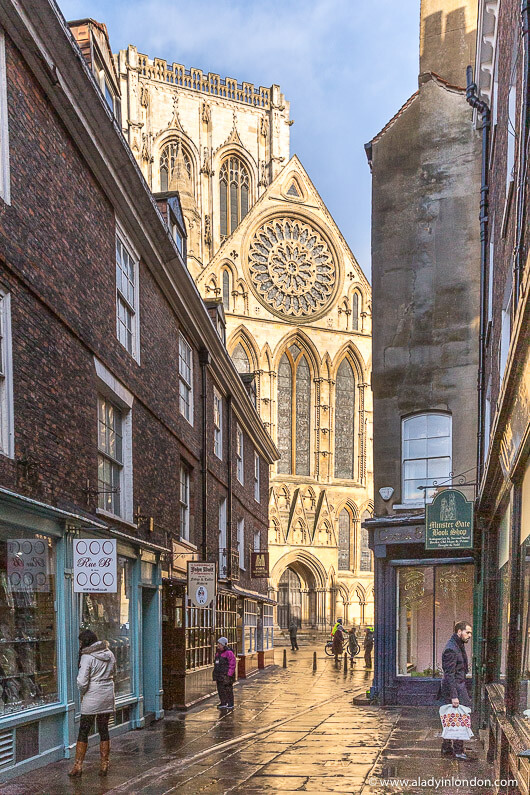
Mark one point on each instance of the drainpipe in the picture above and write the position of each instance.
(481, 107)
(204, 361)
(229, 530)
(523, 154)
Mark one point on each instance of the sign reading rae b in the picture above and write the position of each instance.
(202, 580)
(449, 521)
(259, 564)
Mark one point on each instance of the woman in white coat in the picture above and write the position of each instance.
(95, 681)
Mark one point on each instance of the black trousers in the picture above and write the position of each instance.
(86, 723)
(226, 693)
(368, 658)
(294, 643)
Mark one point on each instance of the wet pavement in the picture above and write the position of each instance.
(293, 729)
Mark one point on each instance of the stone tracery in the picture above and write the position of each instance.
(292, 268)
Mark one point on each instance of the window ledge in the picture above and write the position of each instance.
(406, 506)
(182, 540)
(115, 518)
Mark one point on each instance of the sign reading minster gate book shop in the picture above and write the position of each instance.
(449, 521)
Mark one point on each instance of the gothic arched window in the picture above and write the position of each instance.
(366, 552)
(294, 413)
(355, 312)
(234, 192)
(175, 166)
(240, 359)
(344, 421)
(344, 539)
(226, 290)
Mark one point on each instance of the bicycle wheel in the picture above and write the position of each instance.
(328, 648)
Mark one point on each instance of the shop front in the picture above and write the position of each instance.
(41, 615)
(419, 595)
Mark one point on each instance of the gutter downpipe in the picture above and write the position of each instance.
(481, 107)
(229, 530)
(204, 361)
(523, 156)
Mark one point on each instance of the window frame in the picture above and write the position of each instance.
(184, 504)
(294, 364)
(5, 172)
(122, 300)
(257, 477)
(243, 172)
(241, 543)
(240, 455)
(223, 539)
(408, 501)
(117, 464)
(7, 423)
(218, 424)
(183, 383)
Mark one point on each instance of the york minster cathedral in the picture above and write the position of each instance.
(297, 308)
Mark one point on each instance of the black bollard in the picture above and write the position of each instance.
(345, 662)
(314, 661)
(285, 658)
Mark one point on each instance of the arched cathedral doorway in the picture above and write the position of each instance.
(289, 599)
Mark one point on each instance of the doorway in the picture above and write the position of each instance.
(289, 599)
(150, 653)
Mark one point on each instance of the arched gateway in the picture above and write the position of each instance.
(299, 584)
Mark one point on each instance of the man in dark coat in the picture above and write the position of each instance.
(368, 646)
(453, 688)
(293, 629)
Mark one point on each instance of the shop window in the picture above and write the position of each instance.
(226, 617)
(6, 378)
(240, 464)
(234, 191)
(268, 627)
(217, 424)
(199, 627)
(4, 132)
(427, 453)
(184, 502)
(344, 421)
(241, 543)
(524, 690)
(251, 623)
(127, 322)
(223, 551)
(109, 616)
(257, 495)
(185, 379)
(430, 601)
(28, 634)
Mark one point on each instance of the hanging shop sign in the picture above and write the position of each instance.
(95, 565)
(202, 581)
(449, 521)
(259, 564)
(27, 564)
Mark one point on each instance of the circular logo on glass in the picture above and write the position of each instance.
(292, 269)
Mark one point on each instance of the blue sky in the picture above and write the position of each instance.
(346, 66)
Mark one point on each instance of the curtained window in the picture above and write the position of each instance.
(344, 421)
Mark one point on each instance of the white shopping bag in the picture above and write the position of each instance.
(456, 722)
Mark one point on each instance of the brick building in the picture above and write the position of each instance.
(501, 101)
(123, 421)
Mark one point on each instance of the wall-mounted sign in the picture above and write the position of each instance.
(27, 564)
(95, 565)
(202, 582)
(449, 521)
(259, 564)
(386, 492)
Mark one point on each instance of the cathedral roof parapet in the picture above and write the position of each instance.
(210, 83)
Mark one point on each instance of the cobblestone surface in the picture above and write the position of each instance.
(293, 730)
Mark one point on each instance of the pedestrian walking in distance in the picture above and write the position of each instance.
(368, 646)
(337, 633)
(95, 680)
(293, 630)
(453, 688)
(224, 673)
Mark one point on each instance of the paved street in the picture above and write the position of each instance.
(327, 745)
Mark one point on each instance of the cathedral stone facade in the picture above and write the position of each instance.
(298, 315)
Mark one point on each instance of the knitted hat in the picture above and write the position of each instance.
(223, 641)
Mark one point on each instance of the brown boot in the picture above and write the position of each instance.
(80, 751)
(104, 753)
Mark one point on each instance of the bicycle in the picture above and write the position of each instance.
(353, 647)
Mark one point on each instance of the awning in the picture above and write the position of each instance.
(49, 511)
(252, 595)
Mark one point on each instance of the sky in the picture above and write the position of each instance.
(346, 66)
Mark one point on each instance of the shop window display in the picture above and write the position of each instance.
(431, 599)
(268, 627)
(108, 615)
(251, 624)
(28, 657)
(199, 631)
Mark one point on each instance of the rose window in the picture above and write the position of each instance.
(291, 267)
